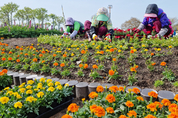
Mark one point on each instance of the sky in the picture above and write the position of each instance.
(82, 10)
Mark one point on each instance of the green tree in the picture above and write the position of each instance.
(59, 20)
(5, 12)
(41, 14)
(20, 15)
(53, 17)
(28, 14)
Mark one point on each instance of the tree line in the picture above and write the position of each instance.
(27, 14)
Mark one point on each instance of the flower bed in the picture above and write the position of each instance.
(116, 103)
(5, 80)
(33, 98)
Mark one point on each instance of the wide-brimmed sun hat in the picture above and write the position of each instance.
(102, 14)
(69, 21)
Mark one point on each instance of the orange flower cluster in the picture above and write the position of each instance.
(40, 55)
(158, 105)
(133, 69)
(121, 88)
(55, 64)
(111, 72)
(95, 66)
(150, 116)
(93, 95)
(132, 113)
(64, 55)
(163, 63)
(83, 51)
(152, 54)
(101, 52)
(42, 61)
(99, 111)
(80, 65)
(85, 66)
(35, 60)
(176, 97)
(92, 108)
(132, 51)
(129, 104)
(54, 55)
(66, 116)
(111, 50)
(122, 116)
(99, 88)
(165, 102)
(153, 94)
(73, 107)
(139, 98)
(153, 64)
(3, 59)
(173, 115)
(110, 110)
(136, 90)
(31, 47)
(17, 47)
(18, 60)
(110, 98)
(21, 48)
(114, 89)
(62, 64)
(4, 71)
(152, 107)
(10, 52)
(173, 108)
(43, 52)
(2, 52)
(10, 58)
(114, 59)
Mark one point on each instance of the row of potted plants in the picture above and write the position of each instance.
(35, 97)
(117, 103)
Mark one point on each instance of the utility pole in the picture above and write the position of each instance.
(110, 7)
(64, 18)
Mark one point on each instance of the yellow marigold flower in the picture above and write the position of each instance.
(119, 50)
(131, 47)
(143, 46)
(135, 50)
(50, 84)
(57, 83)
(4, 100)
(51, 89)
(42, 80)
(9, 93)
(72, 54)
(66, 84)
(28, 87)
(30, 82)
(40, 94)
(18, 105)
(30, 99)
(159, 49)
(29, 92)
(93, 43)
(22, 90)
(146, 50)
(59, 87)
(83, 99)
(170, 46)
(39, 86)
(7, 88)
(18, 96)
(36, 89)
(49, 80)
(120, 46)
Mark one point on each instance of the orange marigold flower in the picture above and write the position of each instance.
(111, 50)
(173, 107)
(110, 110)
(55, 64)
(129, 104)
(85, 66)
(99, 88)
(31, 47)
(54, 55)
(36, 50)
(10, 52)
(62, 64)
(42, 61)
(113, 88)
(43, 52)
(111, 72)
(3, 49)
(93, 95)
(114, 59)
(132, 51)
(83, 51)
(136, 90)
(101, 52)
(66, 116)
(2, 52)
(165, 102)
(176, 97)
(122, 116)
(95, 66)
(133, 69)
(139, 98)
(18, 60)
(153, 94)
(33, 54)
(132, 113)
(17, 47)
(64, 55)
(80, 65)
(3, 59)
(136, 66)
(92, 108)
(73, 107)
(173, 115)
(35, 60)
(21, 48)
(150, 116)
(4, 70)
(152, 107)
(110, 98)
(10, 58)
(152, 54)
(18, 55)
(26, 54)
(40, 55)
(6, 45)
(158, 104)
(99, 111)
(1, 73)
(121, 88)
(163, 63)
(153, 64)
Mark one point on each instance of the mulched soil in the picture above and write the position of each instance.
(146, 78)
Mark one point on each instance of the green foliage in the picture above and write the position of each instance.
(168, 74)
(158, 83)
(80, 73)
(132, 79)
(65, 73)
(175, 84)
(5, 80)
(94, 74)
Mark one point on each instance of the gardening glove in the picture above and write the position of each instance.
(74, 33)
(95, 37)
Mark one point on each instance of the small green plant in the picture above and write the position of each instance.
(132, 79)
(35, 67)
(45, 69)
(18, 67)
(168, 74)
(26, 67)
(65, 73)
(158, 83)
(101, 67)
(80, 73)
(55, 71)
(94, 74)
(175, 84)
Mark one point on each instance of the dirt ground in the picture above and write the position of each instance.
(145, 77)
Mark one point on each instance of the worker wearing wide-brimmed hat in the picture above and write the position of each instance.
(100, 25)
(73, 27)
(155, 19)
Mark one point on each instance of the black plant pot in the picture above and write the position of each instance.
(43, 110)
(31, 115)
